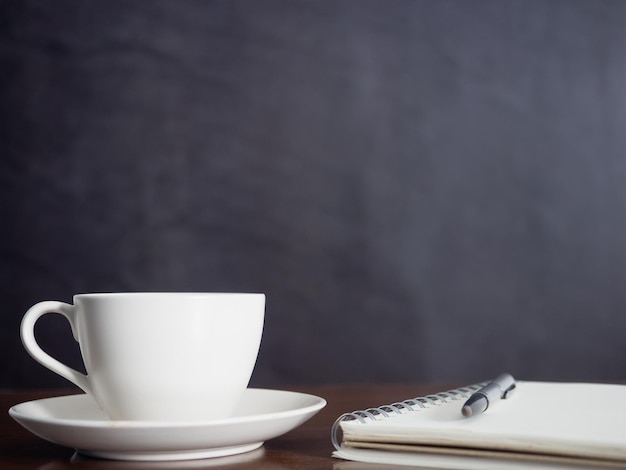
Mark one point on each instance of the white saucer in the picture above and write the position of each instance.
(77, 421)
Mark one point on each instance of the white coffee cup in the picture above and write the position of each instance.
(159, 356)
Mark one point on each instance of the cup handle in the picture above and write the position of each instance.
(27, 331)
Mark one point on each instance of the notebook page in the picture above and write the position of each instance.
(541, 417)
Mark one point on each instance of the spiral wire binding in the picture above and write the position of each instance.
(406, 406)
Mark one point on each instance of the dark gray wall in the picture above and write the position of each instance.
(425, 190)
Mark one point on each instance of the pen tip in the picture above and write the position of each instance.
(467, 411)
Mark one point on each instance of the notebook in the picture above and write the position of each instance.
(558, 425)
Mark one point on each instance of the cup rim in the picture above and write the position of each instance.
(169, 294)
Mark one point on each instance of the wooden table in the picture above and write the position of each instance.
(308, 446)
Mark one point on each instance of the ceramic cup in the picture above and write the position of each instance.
(159, 356)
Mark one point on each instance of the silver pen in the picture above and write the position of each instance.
(479, 401)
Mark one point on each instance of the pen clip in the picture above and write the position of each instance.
(509, 391)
